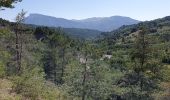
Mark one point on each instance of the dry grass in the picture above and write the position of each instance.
(5, 91)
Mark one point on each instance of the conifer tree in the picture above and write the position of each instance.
(88, 78)
(8, 3)
(146, 68)
(19, 41)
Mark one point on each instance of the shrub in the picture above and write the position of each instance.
(29, 83)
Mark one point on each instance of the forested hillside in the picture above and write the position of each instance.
(82, 33)
(142, 52)
(44, 63)
(76, 33)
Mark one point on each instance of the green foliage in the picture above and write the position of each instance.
(54, 58)
(4, 33)
(82, 33)
(4, 56)
(30, 83)
(8, 3)
(98, 80)
(70, 69)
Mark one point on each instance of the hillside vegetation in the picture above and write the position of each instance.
(51, 62)
(44, 63)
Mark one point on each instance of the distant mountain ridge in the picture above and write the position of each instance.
(95, 23)
(157, 26)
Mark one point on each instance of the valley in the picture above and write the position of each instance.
(98, 58)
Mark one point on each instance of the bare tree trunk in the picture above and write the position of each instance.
(19, 46)
(55, 73)
(142, 59)
(19, 19)
(63, 65)
(20, 53)
(17, 51)
(84, 81)
(54, 61)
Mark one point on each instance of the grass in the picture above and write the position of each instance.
(6, 91)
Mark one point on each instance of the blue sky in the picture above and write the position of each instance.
(81, 9)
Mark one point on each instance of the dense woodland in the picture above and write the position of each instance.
(43, 63)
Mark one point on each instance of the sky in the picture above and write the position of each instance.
(80, 9)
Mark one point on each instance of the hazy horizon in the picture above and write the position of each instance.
(80, 18)
(144, 10)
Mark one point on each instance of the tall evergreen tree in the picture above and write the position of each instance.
(19, 41)
(88, 78)
(145, 76)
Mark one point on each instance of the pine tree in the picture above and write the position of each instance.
(19, 41)
(146, 67)
(88, 78)
(8, 3)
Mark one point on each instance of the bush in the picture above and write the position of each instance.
(4, 56)
(2, 70)
(29, 83)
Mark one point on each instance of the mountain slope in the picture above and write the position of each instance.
(82, 33)
(125, 41)
(96, 23)
(75, 32)
(157, 25)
